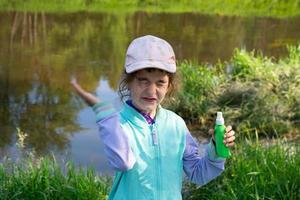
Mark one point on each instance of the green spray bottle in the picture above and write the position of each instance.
(220, 131)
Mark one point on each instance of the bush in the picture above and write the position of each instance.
(196, 91)
(254, 92)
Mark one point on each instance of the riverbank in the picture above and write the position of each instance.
(270, 8)
(42, 178)
(253, 171)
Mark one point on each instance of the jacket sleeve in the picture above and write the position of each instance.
(201, 169)
(116, 142)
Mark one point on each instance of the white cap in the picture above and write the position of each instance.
(150, 52)
(220, 119)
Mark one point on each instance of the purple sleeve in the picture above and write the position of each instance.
(116, 142)
(201, 169)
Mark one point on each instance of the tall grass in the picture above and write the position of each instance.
(33, 177)
(256, 172)
(255, 93)
(273, 8)
(44, 179)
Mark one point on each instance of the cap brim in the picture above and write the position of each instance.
(169, 67)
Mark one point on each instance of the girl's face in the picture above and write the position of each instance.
(148, 89)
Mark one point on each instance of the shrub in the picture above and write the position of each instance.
(254, 92)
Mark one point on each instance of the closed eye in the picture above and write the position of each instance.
(142, 80)
(162, 83)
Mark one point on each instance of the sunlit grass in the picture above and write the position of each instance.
(43, 178)
(272, 8)
(256, 171)
(32, 177)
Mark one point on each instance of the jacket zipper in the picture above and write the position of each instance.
(154, 135)
(157, 160)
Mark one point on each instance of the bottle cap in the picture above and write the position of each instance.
(220, 119)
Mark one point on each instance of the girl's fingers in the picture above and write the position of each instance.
(73, 80)
(77, 87)
(229, 138)
(89, 98)
(228, 128)
(230, 144)
(229, 134)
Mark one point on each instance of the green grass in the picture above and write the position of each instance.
(256, 172)
(274, 8)
(256, 93)
(44, 179)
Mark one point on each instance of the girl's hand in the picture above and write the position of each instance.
(89, 98)
(228, 137)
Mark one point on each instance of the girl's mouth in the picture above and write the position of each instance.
(149, 99)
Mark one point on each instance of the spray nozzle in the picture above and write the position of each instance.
(220, 119)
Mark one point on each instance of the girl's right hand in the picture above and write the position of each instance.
(89, 98)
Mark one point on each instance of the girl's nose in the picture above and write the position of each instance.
(151, 89)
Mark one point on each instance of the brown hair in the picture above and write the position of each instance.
(127, 78)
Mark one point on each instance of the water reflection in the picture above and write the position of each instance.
(40, 52)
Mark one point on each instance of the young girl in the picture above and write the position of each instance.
(149, 146)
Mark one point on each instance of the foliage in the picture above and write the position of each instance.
(256, 172)
(44, 179)
(255, 93)
(273, 8)
(193, 99)
(33, 177)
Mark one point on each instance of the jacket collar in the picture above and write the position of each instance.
(136, 117)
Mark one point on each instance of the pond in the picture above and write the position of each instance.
(40, 52)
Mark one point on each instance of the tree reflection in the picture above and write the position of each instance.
(39, 53)
(34, 95)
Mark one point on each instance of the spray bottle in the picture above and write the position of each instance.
(220, 131)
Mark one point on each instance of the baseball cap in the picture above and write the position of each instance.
(150, 52)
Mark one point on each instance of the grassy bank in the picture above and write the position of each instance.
(257, 94)
(272, 8)
(254, 172)
(44, 179)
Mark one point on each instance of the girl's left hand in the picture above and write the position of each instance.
(228, 137)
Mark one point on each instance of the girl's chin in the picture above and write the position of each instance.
(148, 108)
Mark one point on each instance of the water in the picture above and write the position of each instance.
(41, 52)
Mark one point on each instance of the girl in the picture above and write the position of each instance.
(148, 146)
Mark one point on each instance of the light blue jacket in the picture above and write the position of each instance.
(149, 159)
